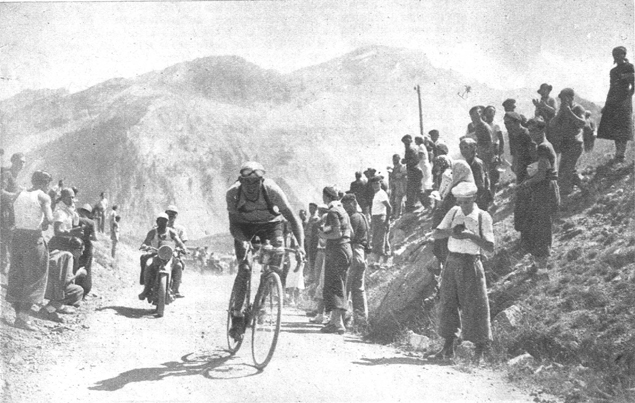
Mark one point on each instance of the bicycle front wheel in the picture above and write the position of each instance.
(267, 314)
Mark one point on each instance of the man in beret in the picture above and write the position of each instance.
(464, 306)
(520, 145)
(358, 188)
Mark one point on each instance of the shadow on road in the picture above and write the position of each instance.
(132, 313)
(211, 366)
(400, 361)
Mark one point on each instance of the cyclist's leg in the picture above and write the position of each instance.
(242, 278)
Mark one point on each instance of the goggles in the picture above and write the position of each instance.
(246, 172)
(250, 179)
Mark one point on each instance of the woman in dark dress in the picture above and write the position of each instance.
(542, 192)
(617, 115)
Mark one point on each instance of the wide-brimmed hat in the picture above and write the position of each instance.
(544, 85)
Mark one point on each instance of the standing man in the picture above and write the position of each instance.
(312, 240)
(411, 159)
(29, 254)
(381, 211)
(103, 206)
(10, 184)
(177, 271)
(464, 305)
(398, 181)
(355, 282)
(114, 236)
(483, 133)
(88, 236)
(498, 147)
(520, 145)
(358, 188)
(337, 232)
(568, 125)
(483, 194)
(256, 207)
(426, 171)
(112, 215)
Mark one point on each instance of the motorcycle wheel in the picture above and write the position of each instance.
(162, 293)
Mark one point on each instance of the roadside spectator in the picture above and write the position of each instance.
(464, 306)
(320, 258)
(509, 105)
(7, 219)
(65, 221)
(520, 145)
(588, 132)
(337, 231)
(442, 177)
(88, 236)
(568, 124)
(413, 186)
(426, 172)
(355, 282)
(111, 216)
(312, 239)
(483, 133)
(358, 188)
(380, 222)
(546, 108)
(29, 254)
(617, 115)
(481, 180)
(368, 191)
(103, 206)
(398, 180)
(539, 198)
(498, 147)
(114, 235)
(55, 193)
(61, 290)
(461, 172)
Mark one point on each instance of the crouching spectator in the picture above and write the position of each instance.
(61, 290)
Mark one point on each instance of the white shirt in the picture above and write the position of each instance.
(379, 208)
(426, 169)
(66, 215)
(28, 210)
(455, 217)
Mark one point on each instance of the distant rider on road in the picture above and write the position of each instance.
(257, 207)
(157, 237)
(179, 264)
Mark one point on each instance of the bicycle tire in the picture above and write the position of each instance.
(162, 293)
(267, 314)
(233, 345)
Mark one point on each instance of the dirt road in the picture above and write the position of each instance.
(125, 354)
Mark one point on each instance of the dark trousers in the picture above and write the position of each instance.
(567, 174)
(86, 261)
(355, 281)
(338, 259)
(29, 267)
(269, 231)
(413, 188)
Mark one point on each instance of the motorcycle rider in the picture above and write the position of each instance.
(257, 207)
(179, 264)
(157, 237)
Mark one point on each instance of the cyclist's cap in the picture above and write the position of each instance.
(250, 167)
(172, 209)
(163, 215)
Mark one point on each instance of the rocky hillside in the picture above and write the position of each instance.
(570, 328)
(179, 135)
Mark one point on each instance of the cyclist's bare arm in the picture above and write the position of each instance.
(296, 228)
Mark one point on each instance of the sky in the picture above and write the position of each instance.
(506, 44)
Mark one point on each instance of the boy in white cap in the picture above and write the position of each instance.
(464, 305)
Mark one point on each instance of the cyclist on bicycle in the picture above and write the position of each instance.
(257, 207)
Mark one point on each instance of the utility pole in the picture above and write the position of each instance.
(418, 89)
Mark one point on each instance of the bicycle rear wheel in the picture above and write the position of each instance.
(267, 313)
(233, 345)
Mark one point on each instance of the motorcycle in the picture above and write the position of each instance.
(161, 288)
